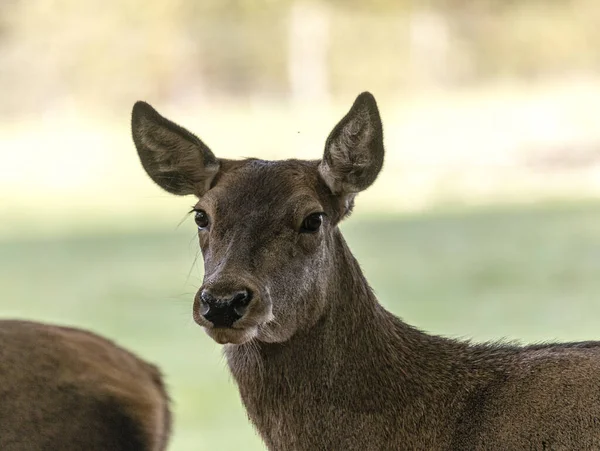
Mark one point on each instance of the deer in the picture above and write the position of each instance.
(68, 389)
(319, 363)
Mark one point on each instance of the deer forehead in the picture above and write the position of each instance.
(278, 188)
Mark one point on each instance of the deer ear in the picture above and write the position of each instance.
(172, 156)
(354, 149)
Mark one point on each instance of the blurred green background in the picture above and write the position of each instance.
(484, 223)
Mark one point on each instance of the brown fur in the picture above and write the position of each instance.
(71, 390)
(321, 365)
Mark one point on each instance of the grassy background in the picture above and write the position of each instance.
(527, 272)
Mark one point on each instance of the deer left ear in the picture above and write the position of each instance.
(354, 149)
(172, 156)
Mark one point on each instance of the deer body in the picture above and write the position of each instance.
(70, 390)
(319, 363)
(379, 384)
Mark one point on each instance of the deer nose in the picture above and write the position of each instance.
(223, 311)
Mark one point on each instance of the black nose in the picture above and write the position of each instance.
(223, 311)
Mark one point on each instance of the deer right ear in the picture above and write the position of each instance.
(354, 149)
(172, 156)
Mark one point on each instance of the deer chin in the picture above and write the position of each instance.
(230, 335)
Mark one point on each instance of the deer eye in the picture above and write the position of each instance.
(201, 219)
(311, 223)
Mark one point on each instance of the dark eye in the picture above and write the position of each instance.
(201, 219)
(311, 223)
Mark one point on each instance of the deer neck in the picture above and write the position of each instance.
(355, 346)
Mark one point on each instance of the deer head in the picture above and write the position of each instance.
(268, 230)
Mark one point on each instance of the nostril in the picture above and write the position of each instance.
(204, 307)
(240, 302)
(206, 300)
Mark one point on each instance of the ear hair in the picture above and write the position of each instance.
(354, 150)
(177, 160)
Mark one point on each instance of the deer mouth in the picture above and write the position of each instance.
(240, 332)
(231, 335)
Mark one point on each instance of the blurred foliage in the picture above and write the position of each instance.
(103, 54)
